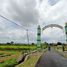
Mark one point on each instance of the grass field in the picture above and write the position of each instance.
(17, 47)
(10, 53)
(8, 58)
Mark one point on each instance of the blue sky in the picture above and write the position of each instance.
(53, 2)
(28, 14)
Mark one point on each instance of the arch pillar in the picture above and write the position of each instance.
(38, 36)
(66, 31)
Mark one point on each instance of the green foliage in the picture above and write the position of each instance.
(31, 61)
(17, 47)
(14, 49)
(44, 45)
(9, 63)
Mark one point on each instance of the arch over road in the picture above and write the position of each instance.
(52, 25)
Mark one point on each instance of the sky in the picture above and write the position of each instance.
(28, 14)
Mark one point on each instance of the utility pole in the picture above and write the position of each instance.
(27, 37)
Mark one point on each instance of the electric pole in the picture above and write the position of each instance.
(27, 37)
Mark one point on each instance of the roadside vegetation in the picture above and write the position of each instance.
(61, 49)
(9, 53)
(8, 58)
(31, 61)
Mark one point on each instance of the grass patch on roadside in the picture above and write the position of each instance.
(31, 61)
(60, 51)
(64, 54)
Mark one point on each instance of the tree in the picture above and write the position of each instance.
(32, 43)
(12, 42)
(59, 43)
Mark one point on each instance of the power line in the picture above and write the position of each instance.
(10, 21)
(18, 25)
(22, 26)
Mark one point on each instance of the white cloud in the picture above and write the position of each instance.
(29, 14)
(55, 13)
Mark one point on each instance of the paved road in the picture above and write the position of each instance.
(51, 59)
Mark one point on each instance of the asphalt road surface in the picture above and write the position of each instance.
(51, 59)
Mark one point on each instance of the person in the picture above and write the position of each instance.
(49, 48)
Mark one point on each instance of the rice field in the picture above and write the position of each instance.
(17, 47)
(8, 58)
(10, 53)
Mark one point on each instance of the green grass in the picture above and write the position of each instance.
(9, 58)
(9, 63)
(16, 47)
(31, 61)
(59, 48)
(60, 51)
(10, 53)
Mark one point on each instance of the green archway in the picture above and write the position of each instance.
(52, 25)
